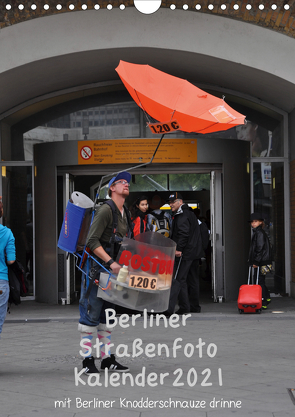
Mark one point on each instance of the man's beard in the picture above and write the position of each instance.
(125, 192)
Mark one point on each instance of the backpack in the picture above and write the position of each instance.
(17, 284)
(159, 221)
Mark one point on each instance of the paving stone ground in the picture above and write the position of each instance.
(224, 364)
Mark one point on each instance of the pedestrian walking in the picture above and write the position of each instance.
(7, 257)
(187, 236)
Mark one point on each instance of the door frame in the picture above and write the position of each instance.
(216, 210)
(67, 266)
(216, 236)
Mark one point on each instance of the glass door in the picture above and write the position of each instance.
(269, 200)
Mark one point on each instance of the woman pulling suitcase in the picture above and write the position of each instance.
(260, 254)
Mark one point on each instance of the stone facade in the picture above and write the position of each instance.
(281, 20)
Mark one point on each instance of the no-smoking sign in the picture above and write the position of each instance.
(86, 152)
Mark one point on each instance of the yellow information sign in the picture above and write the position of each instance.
(122, 151)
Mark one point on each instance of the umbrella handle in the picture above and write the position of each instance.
(176, 273)
(118, 172)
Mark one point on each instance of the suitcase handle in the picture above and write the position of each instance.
(250, 269)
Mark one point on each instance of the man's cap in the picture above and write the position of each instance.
(174, 196)
(256, 216)
(121, 176)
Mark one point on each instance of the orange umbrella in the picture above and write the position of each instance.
(167, 98)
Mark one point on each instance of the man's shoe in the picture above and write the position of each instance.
(264, 307)
(196, 310)
(89, 366)
(112, 365)
(166, 313)
(268, 300)
(181, 311)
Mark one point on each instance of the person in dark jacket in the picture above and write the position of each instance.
(187, 236)
(139, 215)
(260, 254)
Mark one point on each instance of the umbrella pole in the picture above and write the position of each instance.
(118, 172)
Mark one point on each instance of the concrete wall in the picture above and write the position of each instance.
(73, 49)
(292, 197)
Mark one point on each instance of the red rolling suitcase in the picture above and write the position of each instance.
(250, 296)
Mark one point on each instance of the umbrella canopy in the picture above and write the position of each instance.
(165, 98)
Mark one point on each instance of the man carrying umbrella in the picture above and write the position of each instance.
(104, 243)
(187, 236)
